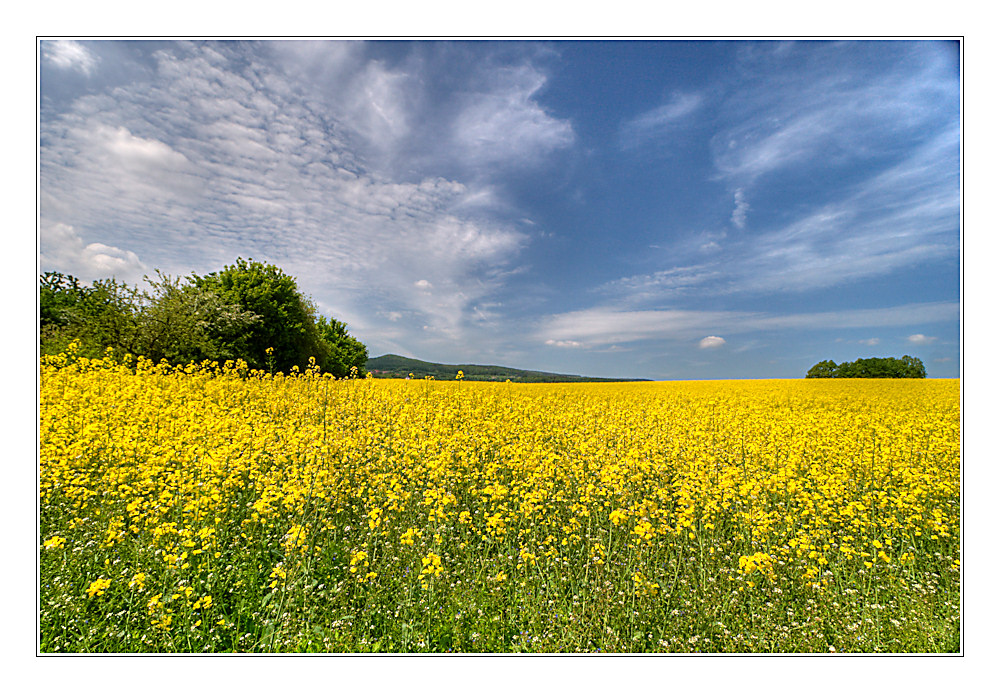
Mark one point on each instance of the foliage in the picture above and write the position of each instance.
(184, 323)
(906, 367)
(345, 352)
(287, 319)
(241, 312)
(59, 296)
(212, 509)
(104, 315)
(823, 369)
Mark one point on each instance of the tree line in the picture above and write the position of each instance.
(906, 367)
(249, 310)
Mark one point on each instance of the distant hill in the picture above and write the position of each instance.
(393, 366)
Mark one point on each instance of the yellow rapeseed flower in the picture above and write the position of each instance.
(97, 587)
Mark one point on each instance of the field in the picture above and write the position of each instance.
(202, 509)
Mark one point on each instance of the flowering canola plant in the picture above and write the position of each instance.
(214, 508)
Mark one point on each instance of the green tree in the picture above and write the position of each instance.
(345, 351)
(823, 369)
(59, 297)
(287, 319)
(889, 367)
(183, 322)
(100, 316)
(914, 367)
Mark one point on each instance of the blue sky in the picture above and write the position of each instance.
(655, 209)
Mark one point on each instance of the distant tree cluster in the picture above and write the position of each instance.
(249, 310)
(906, 367)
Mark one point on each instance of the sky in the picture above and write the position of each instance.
(669, 209)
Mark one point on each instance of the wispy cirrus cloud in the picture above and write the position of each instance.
(830, 110)
(822, 116)
(901, 216)
(659, 122)
(739, 215)
(601, 326)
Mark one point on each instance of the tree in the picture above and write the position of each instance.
(288, 322)
(823, 369)
(59, 296)
(914, 367)
(345, 351)
(906, 367)
(182, 322)
(100, 316)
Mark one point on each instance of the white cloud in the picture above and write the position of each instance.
(827, 111)
(607, 325)
(920, 339)
(69, 55)
(896, 316)
(503, 124)
(739, 216)
(711, 342)
(672, 282)
(564, 343)
(604, 325)
(659, 121)
(132, 150)
(222, 155)
(63, 250)
(870, 342)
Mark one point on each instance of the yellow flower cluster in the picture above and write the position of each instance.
(97, 587)
(432, 566)
(758, 562)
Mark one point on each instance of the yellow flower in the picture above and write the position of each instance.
(277, 575)
(432, 565)
(54, 543)
(97, 587)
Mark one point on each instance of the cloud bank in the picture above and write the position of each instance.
(290, 153)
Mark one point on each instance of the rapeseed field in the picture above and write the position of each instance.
(216, 509)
